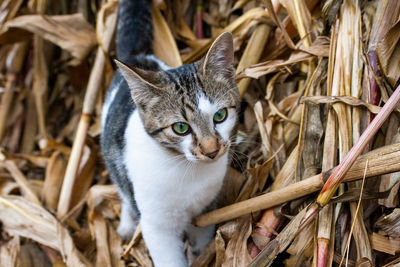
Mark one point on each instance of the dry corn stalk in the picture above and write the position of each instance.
(268, 131)
(377, 166)
(94, 84)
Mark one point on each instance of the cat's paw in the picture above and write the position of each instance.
(126, 230)
(128, 222)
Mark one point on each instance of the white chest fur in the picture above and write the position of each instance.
(169, 191)
(166, 184)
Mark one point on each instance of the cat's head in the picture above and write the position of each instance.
(191, 110)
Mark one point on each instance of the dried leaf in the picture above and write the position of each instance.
(388, 52)
(9, 252)
(53, 180)
(236, 249)
(390, 223)
(349, 100)
(71, 32)
(27, 219)
(385, 244)
(164, 44)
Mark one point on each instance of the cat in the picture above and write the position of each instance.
(166, 135)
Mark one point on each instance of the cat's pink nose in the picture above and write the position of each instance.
(213, 154)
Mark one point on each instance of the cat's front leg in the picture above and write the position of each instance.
(199, 237)
(128, 221)
(164, 241)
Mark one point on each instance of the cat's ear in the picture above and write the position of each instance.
(219, 58)
(141, 82)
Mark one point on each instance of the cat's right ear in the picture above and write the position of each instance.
(141, 82)
(219, 58)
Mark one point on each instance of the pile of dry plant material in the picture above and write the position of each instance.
(312, 75)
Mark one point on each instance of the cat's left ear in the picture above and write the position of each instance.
(219, 58)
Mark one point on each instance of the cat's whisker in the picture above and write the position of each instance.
(171, 159)
(188, 167)
(234, 141)
(234, 157)
(237, 156)
(239, 152)
(238, 161)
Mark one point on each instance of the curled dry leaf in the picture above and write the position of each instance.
(9, 252)
(349, 100)
(258, 70)
(71, 32)
(27, 219)
(20, 179)
(236, 249)
(53, 180)
(301, 248)
(388, 52)
(8, 9)
(219, 249)
(280, 243)
(108, 242)
(164, 44)
(385, 244)
(106, 21)
(390, 223)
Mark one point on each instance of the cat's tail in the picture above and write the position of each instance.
(135, 29)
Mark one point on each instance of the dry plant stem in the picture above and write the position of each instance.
(6, 101)
(135, 238)
(199, 20)
(95, 80)
(40, 74)
(20, 179)
(322, 249)
(234, 27)
(300, 16)
(375, 93)
(271, 11)
(339, 173)
(354, 89)
(355, 219)
(280, 243)
(252, 53)
(381, 161)
(325, 239)
(104, 36)
(14, 64)
(164, 44)
(73, 166)
(326, 222)
(30, 128)
(303, 118)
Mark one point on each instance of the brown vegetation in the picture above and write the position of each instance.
(318, 79)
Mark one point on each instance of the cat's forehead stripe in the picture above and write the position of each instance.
(188, 106)
(183, 113)
(205, 105)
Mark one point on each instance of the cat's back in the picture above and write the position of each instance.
(117, 109)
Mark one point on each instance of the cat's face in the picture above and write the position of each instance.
(191, 110)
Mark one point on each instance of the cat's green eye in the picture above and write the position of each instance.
(220, 115)
(181, 128)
